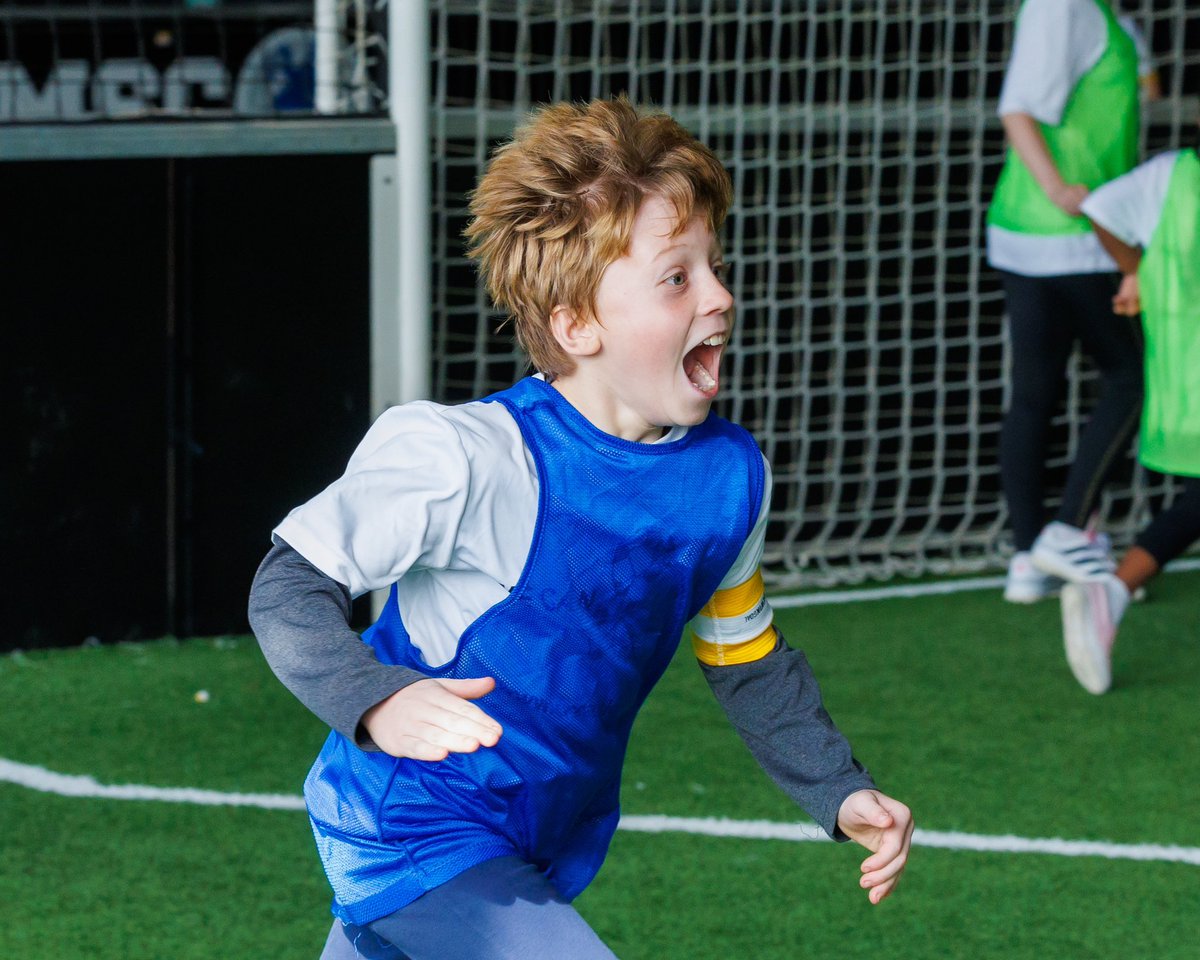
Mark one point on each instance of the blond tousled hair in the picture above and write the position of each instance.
(557, 203)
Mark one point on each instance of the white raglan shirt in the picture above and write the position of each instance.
(1055, 43)
(442, 500)
(1130, 207)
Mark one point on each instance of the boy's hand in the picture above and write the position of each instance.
(1128, 301)
(430, 719)
(884, 826)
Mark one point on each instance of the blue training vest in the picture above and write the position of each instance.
(631, 540)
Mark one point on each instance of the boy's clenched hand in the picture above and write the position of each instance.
(884, 826)
(430, 719)
(1128, 301)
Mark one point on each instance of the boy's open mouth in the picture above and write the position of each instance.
(702, 364)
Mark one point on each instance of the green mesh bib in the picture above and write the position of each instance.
(1169, 282)
(1096, 141)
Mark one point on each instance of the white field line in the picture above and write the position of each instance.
(799, 832)
(68, 785)
(47, 781)
(931, 589)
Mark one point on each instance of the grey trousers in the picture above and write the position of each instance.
(502, 909)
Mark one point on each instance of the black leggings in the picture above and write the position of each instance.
(1046, 316)
(1176, 528)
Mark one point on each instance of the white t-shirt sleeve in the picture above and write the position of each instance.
(1130, 206)
(399, 504)
(749, 559)
(1055, 43)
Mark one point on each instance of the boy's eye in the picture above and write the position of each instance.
(721, 271)
(676, 279)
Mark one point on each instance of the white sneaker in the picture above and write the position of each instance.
(1070, 553)
(1025, 583)
(1091, 612)
(1104, 542)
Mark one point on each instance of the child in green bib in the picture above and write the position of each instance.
(1069, 107)
(1149, 221)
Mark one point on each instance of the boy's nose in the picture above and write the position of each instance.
(718, 299)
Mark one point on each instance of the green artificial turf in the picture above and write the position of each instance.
(961, 705)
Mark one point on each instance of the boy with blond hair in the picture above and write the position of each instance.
(545, 548)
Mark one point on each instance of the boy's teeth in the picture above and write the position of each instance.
(701, 378)
(715, 341)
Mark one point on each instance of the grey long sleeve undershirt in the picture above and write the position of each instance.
(775, 705)
(301, 618)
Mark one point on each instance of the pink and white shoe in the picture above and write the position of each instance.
(1091, 612)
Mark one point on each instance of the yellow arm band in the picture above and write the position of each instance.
(727, 654)
(735, 625)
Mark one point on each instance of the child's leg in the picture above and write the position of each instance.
(1115, 344)
(503, 909)
(347, 942)
(1040, 344)
(1167, 537)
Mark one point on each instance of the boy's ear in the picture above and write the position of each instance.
(576, 336)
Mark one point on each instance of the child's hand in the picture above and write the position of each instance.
(1128, 301)
(884, 826)
(1068, 197)
(430, 719)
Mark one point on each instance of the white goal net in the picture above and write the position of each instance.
(870, 353)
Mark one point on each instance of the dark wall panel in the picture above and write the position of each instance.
(82, 375)
(183, 357)
(279, 309)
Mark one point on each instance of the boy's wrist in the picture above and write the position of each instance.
(857, 786)
(398, 679)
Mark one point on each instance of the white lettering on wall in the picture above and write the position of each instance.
(123, 88)
(60, 98)
(187, 75)
(116, 88)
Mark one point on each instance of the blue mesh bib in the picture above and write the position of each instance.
(631, 541)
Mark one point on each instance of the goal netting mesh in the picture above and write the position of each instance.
(870, 353)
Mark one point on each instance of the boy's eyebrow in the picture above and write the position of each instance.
(669, 249)
(714, 251)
